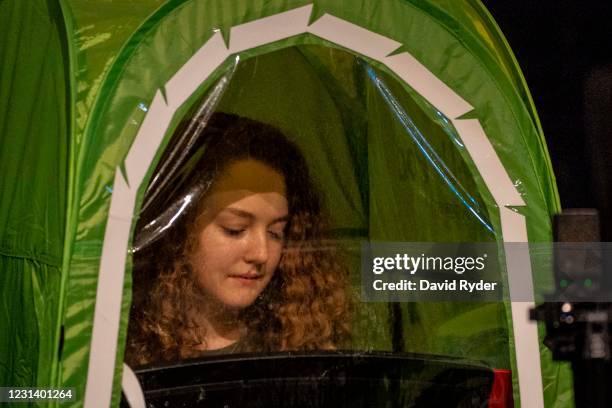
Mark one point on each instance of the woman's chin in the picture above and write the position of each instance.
(238, 302)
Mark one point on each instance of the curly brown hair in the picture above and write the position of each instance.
(306, 305)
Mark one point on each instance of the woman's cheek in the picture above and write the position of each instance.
(278, 253)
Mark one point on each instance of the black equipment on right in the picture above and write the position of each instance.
(578, 323)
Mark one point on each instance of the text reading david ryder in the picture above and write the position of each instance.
(413, 264)
(462, 285)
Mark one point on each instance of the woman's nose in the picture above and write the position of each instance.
(257, 251)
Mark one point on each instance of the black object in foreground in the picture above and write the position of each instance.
(319, 379)
(579, 330)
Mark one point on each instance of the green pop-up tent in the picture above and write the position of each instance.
(413, 115)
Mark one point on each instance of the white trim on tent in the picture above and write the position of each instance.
(195, 71)
(491, 168)
(269, 29)
(353, 37)
(208, 58)
(132, 389)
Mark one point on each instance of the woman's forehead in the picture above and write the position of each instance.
(250, 175)
(245, 204)
(250, 187)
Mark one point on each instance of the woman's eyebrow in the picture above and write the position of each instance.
(239, 213)
(284, 218)
(246, 214)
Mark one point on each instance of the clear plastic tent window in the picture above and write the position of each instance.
(364, 142)
(374, 154)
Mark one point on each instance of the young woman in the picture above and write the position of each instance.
(246, 267)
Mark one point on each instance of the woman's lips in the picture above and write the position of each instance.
(246, 279)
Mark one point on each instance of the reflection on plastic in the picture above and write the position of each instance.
(176, 159)
(153, 230)
(449, 129)
(428, 151)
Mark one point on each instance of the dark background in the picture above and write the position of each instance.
(565, 51)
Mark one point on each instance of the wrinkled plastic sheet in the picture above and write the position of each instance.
(390, 167)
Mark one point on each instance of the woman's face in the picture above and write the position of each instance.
(241, 234)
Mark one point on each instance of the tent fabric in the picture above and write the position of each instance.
(80, 82)
(34, 125)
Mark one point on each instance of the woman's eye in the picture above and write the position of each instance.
(233, 232)
(278, 236)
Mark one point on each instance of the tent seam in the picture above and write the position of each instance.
(43, 259)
